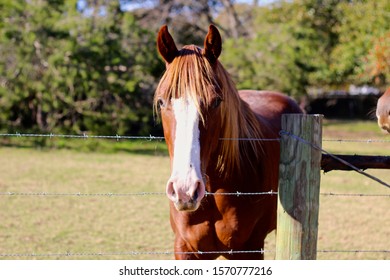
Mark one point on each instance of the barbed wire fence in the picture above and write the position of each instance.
(145, 194)
(161, 138)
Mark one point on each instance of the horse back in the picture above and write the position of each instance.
(270, 106)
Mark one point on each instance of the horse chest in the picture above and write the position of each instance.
(225, 231)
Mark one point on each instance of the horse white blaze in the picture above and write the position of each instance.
(185, 186)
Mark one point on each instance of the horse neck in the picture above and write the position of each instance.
(237, 162)
(247, 174)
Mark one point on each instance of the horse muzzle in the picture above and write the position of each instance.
(185, 193)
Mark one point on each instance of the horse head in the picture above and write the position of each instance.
(188, 97)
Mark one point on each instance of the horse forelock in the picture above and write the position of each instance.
(190, 75)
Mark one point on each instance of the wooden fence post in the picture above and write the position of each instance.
(299, 185)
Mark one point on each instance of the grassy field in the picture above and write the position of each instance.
(120, 224)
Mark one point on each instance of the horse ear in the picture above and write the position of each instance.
(165, 45)
(212, 44)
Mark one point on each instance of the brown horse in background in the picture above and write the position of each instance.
(203, 117)
(383, 111)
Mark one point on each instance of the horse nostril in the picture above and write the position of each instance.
(171, 191)
(196, 195)
(198, 191)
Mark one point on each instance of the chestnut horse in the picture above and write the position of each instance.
(383, 111)
(203, 116)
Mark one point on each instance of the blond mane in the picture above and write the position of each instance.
(190, 75)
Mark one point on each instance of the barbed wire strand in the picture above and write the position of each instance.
(354, 251)
(79, 194)
(355, 194)
(132, 253)
(289, 134)
(368, 141)
(112, 194)
(161, 138)
(83, 136)
(251, 139)
(139, 253)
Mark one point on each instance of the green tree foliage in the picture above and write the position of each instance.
(269, 57)
(363, 24)
(293, 46)
(69, 69)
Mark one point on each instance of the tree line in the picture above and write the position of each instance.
(74, 66)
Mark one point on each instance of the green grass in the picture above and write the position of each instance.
(88, 224)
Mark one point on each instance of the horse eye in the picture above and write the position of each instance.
(161, 102)
(216, 102)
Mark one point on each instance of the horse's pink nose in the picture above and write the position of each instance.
(185, 194)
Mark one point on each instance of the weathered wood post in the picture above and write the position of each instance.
(299, 185)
